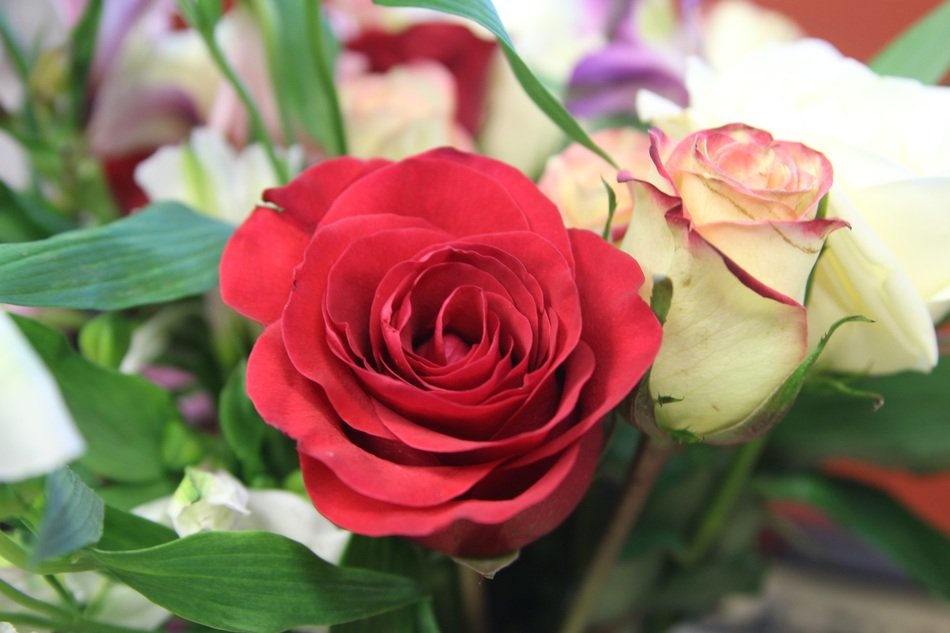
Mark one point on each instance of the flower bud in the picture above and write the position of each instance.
(207, 501)
(737, 240)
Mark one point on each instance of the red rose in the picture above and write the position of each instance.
(440, 346)
(454, 46)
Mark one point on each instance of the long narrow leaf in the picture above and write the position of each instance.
(483, 12)
(920, 52)
(162, 253)
(256, 582)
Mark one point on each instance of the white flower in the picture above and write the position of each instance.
(888, 140)
(207, 501)
(37, 431)
(734, 29)
(210, 176)
(217, 501)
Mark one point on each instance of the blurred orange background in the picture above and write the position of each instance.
(859, 28)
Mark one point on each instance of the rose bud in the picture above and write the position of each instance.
(889, 141)
(440, 346)
(737, 240)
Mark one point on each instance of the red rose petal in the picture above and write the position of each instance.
(308, 196)
(258, 263)
(281, 394)
(542, 215)
(470, 527)
(352, 278)
(450, 196)
(369, 475)
(297, 407)
(619, 326)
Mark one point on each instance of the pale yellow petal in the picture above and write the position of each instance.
(725, 349)
(858, 275)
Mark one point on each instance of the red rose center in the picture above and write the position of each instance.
(451, 349)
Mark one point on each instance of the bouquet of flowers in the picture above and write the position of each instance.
(443, 315)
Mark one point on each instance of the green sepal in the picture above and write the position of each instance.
(611, 208)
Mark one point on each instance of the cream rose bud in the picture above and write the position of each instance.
(737, 238)
(755, 200)
(889, 141)
(574, 179)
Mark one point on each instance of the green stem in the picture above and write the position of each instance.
(31, 603)
(719, 509)
(18, 58)
(318, 49)
(258, 128)
(11, 551)
(474, 601)
(64, 594)
(647, 465)
(76, 626)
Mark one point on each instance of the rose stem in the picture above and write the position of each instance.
(719, 508)
(646, 467)
(474, 601)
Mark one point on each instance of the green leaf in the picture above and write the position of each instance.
(256, 582)
(920, 52)
(126, 531)
(127, 496)
(483, 12)
(72, 517)
(83, 49)
(162, 253)
(611, 208)
(24, 218)
(910, 430)
(241, 424)
(300, 53)
(122, 417)
(923, 552)
(16, 498)
(391, 555)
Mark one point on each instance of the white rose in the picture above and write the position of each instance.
(888, 140)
